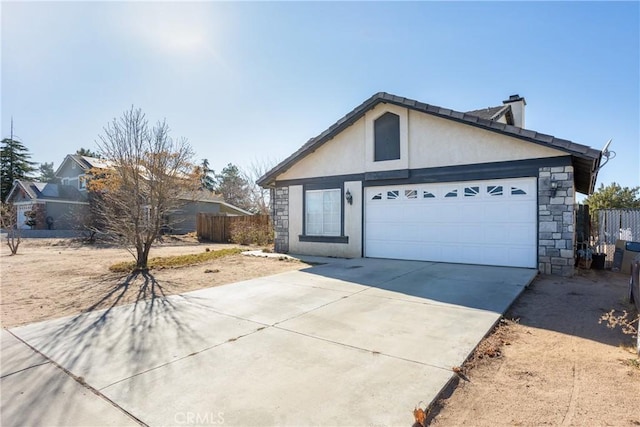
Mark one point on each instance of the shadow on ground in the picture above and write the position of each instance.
(472, 286)
(102, 347)
(573, 306)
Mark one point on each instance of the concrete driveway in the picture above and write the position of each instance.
(350, 342)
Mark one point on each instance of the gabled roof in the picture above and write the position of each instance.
(586, 160)
(491, 113)
(47, 191)
(84, 162)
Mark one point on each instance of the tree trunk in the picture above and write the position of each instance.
(142, 258)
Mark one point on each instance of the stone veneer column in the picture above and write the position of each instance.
(280, 215)
(556, 219)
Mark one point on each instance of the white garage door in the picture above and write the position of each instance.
(480, 222)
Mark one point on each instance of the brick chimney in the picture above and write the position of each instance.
(517, 104)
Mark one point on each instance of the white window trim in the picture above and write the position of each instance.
(82, 183)
(323, 233)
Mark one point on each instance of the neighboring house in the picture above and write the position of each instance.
(63, 206)
(397, 178)
(74, 169)
(57, 206)
(184, 219)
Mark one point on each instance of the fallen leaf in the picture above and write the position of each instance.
(420, 415)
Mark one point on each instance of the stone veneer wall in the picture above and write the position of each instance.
(280, 215)
(556, 219)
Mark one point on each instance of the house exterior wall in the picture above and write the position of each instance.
(437, 142)
(65, 216)
(61, 215)
(429, 141)
(433, 149)
(352, 217)
(19, 196)
(343, 155)
(70, 172)
(556, 221)
(184, 219)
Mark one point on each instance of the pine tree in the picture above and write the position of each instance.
(46, 173)
(234, 187)
(207, 180)
(614, 196)
(14, 164)
(87, 153)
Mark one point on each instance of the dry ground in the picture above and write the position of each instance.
(554, 364)
(51, 278)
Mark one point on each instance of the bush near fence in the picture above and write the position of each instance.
(220, 228)
(251, 233)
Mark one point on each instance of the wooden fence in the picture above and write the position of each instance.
(217, 228)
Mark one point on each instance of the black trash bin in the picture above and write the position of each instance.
(598, 261)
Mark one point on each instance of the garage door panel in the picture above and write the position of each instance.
(520, 212)
(489, 222)
(518, 252)
(520, 233)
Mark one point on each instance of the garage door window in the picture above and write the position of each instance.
(515, 191)
(494, 190)
(323, 212)
(428, 195)
(471, 191)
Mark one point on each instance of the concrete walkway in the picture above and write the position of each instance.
(351, 342)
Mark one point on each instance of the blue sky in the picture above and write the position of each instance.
(247, 82)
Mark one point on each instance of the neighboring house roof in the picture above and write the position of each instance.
(492, 113)
(206, 196)
(47, 191)
(586, 160)
(233, 208)
(84, 162)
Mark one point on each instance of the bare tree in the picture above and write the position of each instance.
(150, 175)
(259, 196)
(9, 223)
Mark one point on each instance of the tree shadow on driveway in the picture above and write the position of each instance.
(103, 347)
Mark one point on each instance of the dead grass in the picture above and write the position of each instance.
(492, 346)
(176, 261)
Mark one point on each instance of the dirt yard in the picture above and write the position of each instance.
(51, 278)
(554, 364)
